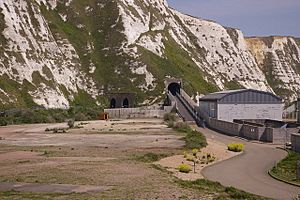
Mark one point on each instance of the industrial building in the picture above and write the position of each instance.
(241, 104)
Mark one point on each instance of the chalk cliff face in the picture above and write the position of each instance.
(62, 53)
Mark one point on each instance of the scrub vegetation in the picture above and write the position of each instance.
(41, 115)
(235, 147)
(193, 138)
(219, 191)
(286, 169)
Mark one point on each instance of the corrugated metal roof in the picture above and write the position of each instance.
(220, 95)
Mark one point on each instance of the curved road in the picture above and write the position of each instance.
(249, 171)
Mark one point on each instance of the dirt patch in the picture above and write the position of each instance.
(51, 188)
(18, 155)
(140, 133)
(214, 149)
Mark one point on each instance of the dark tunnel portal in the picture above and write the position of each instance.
(125, 103)
(174, 88)
(113, 103)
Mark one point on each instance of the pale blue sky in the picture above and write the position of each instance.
(253, 17)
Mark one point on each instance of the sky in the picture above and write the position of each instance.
(253, 17)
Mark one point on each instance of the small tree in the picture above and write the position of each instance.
(71, 123)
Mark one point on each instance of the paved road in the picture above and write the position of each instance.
(249, 170)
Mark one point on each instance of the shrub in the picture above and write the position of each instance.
(3, 122)
(71, 123)
(170, 124)
(182, 127)
(236, 147)
(195, 140)
(150, 157)
(184, 168)
(190, 158)
(195, 151)
(185, 154)
(81, 117)
(170, 117)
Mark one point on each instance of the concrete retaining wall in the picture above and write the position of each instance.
(295, 139)
(228, 128)
(252, 132)
(125, 113)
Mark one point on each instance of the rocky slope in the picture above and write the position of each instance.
(62, 53)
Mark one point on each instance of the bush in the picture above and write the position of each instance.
(171, 124)
(170, 117)
(236, 147)
(190, 158)
(150, 157)
(195, 151)
(71, 123)
(3, 122)
(182, 127)
(185, 154)
(195, 140)
(184, 168)
(81, 117)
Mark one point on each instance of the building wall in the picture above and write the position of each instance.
(208, 109)
(229, 112)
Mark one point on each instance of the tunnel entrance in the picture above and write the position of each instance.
(125, 103)
(174, 88)
(113, 103)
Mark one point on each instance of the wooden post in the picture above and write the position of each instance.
(298, 170)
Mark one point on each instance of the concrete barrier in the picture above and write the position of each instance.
(228, 128)
(295, 140)
(252, 132)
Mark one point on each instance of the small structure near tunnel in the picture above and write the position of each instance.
(241, 104)
(121, 100)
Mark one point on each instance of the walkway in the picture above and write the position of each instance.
(184, 113)
(249, 171)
